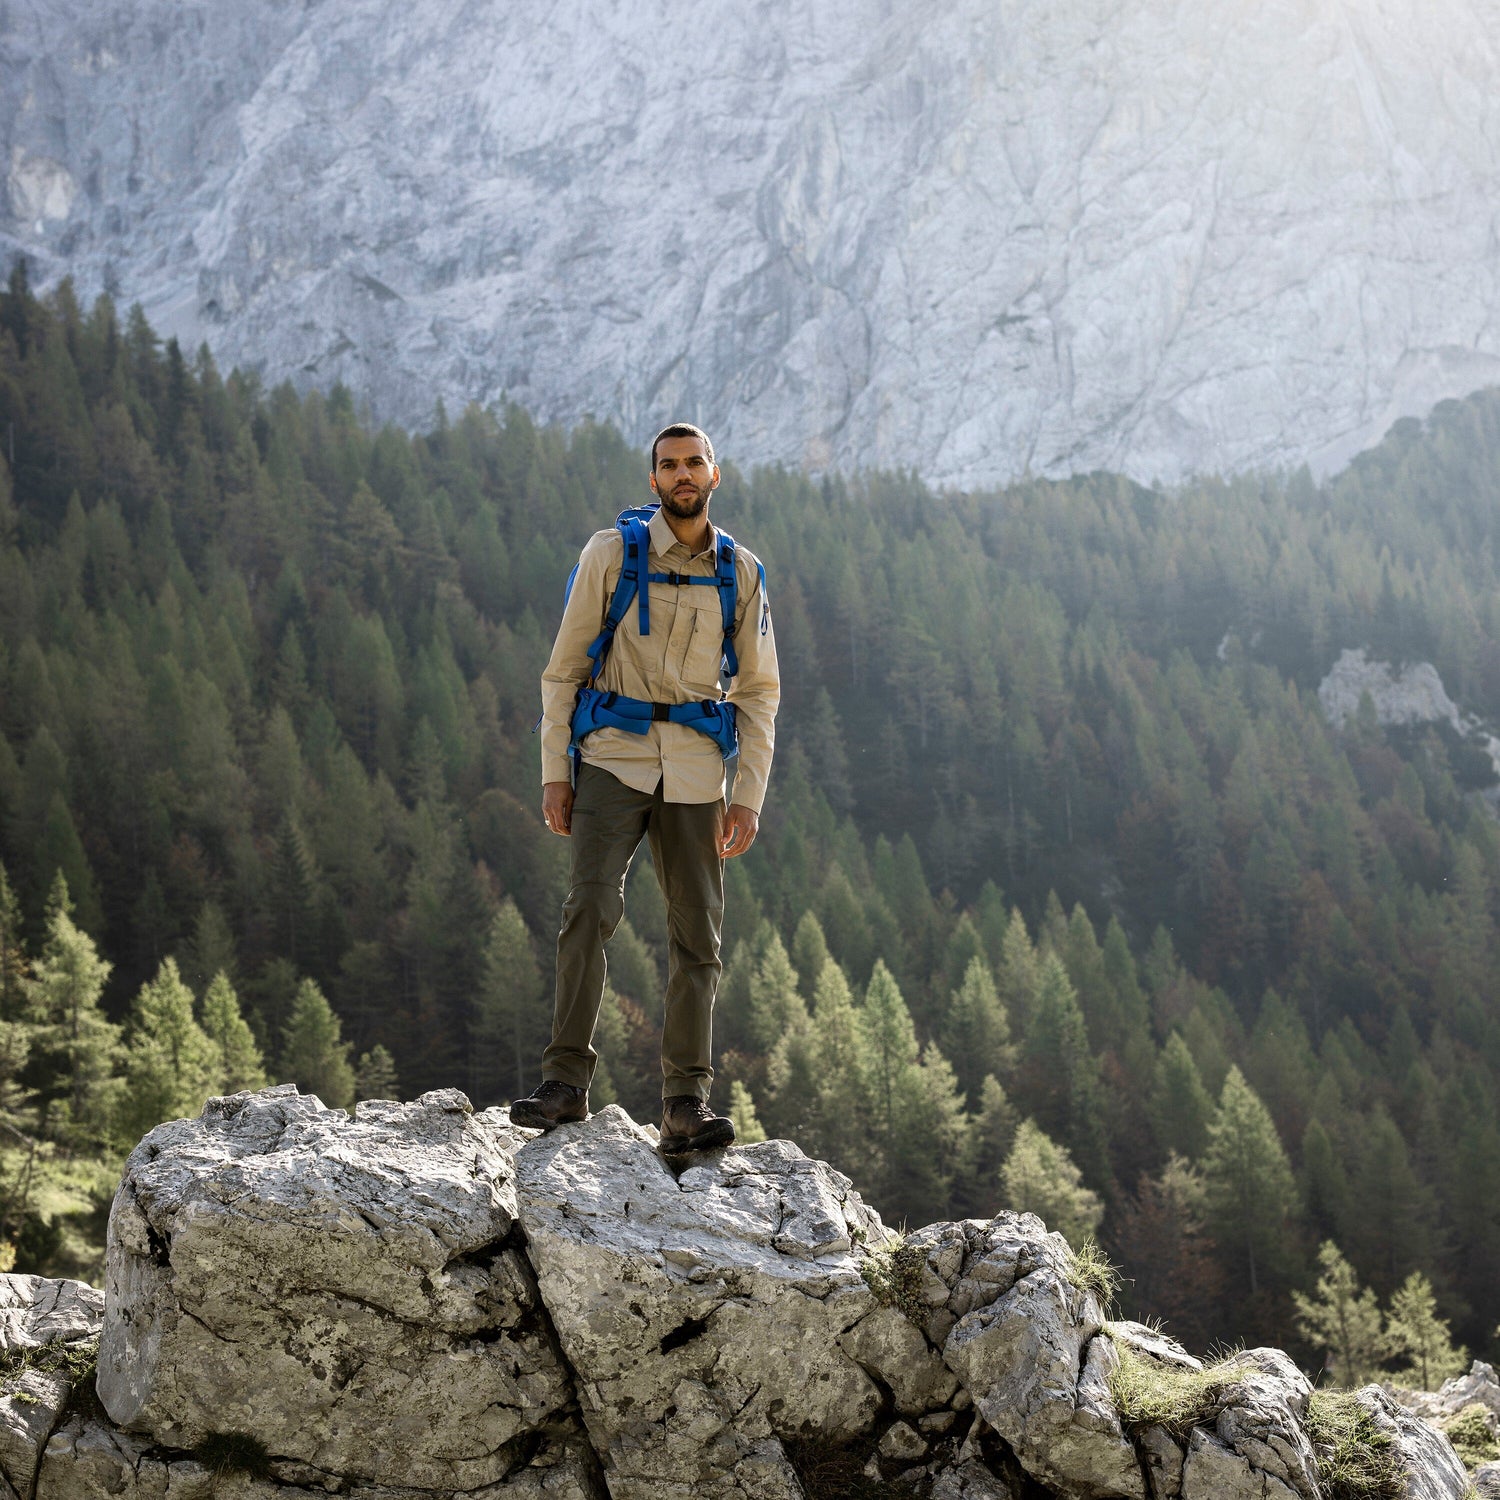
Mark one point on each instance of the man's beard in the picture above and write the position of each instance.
(686, 507)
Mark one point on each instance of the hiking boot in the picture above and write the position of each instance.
(553, 1103)
(688, 1124)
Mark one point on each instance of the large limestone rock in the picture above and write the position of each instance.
(48, 1331)
(1434, 1471)
(1024, 1345)
(978, 239)
(420, 1303)
(348, 1292)
(712, 1315)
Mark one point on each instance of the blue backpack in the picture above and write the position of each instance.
(596, 708)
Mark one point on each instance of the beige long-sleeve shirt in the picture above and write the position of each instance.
(678, 662)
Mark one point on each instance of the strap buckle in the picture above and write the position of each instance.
(660, 712)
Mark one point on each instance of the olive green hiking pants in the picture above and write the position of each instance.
(609, 821)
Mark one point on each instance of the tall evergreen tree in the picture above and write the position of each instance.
(77, 1051)
(240, 1063)
(1040, 1177)
(1249, 1194)
(314, 1055)
(171, 1064)
(509, 1020)
(1343, 1319)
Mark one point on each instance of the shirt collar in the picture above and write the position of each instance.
(663, 538)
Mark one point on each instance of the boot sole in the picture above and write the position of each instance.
(519, 1115)
(710, 1138)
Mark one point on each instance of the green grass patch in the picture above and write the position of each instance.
(1356, 1459)
(1148, 1393)
(894, 1275)
(225, 1453)
(78, 1361)
(1473, 1437)
(1089, 1269)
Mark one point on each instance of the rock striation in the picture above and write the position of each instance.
(421, 1302)
(977, 240)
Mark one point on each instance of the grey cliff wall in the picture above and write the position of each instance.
(978, 239)
(419, 1302)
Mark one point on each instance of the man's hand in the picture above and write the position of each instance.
(740, 828)
(557, 806)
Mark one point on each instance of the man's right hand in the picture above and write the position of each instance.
(557, 806)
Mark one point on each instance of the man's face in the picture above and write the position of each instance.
(683, 478)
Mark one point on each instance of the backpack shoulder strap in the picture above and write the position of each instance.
(636, 544)
(728, 598)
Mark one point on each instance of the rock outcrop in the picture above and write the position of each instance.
(419, 1302)
(979, 240)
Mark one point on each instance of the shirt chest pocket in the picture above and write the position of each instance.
(699, 609)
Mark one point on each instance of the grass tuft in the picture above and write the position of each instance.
(894, 1275)
(224, 1453)
(1357, 1460)
(1089, 1269)
(77, 1360)
(1148, 1393)
(1473, 1436)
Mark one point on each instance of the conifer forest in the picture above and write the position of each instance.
(1067, 896)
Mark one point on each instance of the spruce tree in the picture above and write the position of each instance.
(1181, 1109)
(839, 1126)
(78, 1050)
(240, 1063)
(171, 1064)
(1417, 1333)
(375, 1077)
(1249, 1194)
(1039, 1177)
(977, 1033)
(1343, 1319)
(747, 1127)
(313, 1054)
(508, 1027)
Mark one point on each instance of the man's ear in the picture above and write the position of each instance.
(652, 478)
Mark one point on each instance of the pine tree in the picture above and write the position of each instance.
(747, 1128)
(809, 953)
(977, 1033)
(1170, 1267)
(508, 1027)
(171, 1064)
(14, 1001)
(240, 1063)
(1416, 1332)
(1058, 1078)
(992, 1133)
(1249, 1194)
(78, 1050)
(1181, 1109)
(776, 1008)
(313, 1054)
(375, 1077)
(1039, 1177)
(1342, 1319)
(839, 1124)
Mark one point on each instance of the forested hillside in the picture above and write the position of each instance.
(1066, 894)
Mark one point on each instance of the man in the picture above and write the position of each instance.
(666, 785)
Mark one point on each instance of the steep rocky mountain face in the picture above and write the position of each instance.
(420, 1303)
(978, 239)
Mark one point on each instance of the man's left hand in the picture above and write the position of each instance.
(740, 827)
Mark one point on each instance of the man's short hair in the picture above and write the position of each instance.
(682, 429)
